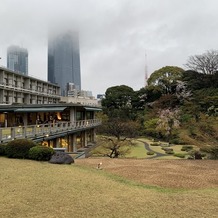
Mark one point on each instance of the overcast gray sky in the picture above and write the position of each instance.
(114, 35)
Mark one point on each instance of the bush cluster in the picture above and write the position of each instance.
(169, 152)
(154, 144)
(179, 155)
(19, 148)
(167, 149)
(212, 152)
(187, 148)
(2, 149)
(41, 153)
(150, 153)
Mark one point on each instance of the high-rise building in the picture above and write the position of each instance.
(17, 59)
(64, 60)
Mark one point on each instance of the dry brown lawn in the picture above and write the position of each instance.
(42, 190)
(191, 174)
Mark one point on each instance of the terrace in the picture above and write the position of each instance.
(43, 132)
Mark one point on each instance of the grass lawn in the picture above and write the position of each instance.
(137, 151)
(39, 189)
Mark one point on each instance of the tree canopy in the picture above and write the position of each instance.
(206, 63)
(166, 78)
(118, 101)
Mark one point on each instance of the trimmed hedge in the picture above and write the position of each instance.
(150, 153)
(155, 144)
(186, 148)
(179, 155)
(169, 152)
(2, 149)
(19, 148)
(41, 153)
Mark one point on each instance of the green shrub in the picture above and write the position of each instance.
(41, 153)
(169, 152)
(150, 153)
(154, 144)
(186, 148)
(19, 148)
(211, 151)
(167, 149)
(2, 149)
(176, 141)
(165, 145)
(179, 155)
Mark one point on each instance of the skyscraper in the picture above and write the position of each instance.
(17, 59)
(64, 60)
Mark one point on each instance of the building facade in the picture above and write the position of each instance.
(22, 89)
(17, 59)
(61, 126)
(64, 60)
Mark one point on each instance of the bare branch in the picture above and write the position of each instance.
(206, 63)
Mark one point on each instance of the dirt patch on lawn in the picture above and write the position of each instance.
(190, 174)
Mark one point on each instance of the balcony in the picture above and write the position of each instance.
(46, 131)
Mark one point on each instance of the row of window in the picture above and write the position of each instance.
(32, 88)
(16, 99)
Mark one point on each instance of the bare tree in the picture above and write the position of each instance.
(116, 137)
(206, 63)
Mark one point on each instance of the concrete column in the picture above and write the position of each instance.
(70, 143)
(85, 138)
(2, 96)
(72, 114)
(74, 143)
(25, 119)
(93, 135)
(56, 143)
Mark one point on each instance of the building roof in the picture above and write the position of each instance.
(19, 108)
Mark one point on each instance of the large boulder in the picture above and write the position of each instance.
(61, 158)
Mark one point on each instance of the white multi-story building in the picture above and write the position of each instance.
(19, 88)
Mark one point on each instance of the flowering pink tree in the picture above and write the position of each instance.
(168, 121)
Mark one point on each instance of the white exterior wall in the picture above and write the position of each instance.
(17, 88)
(80, 100)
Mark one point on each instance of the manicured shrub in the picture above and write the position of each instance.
(167, 149)
(169, 152)
(40, 153)
(150, 153)
(19, 148)
(179, 155)
(154, 144)
(186, 148)
(2, 149)
(165, 145)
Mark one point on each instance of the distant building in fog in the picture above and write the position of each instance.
(72, 91)
(100, 96)
(17, 59)
(64, 60)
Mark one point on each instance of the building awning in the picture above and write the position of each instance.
(6, 110)
(51, 109)
(92, 109)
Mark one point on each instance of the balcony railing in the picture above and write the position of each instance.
(45, 130)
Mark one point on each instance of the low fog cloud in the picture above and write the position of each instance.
(114, 35)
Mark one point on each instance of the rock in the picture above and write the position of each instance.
(61, 158)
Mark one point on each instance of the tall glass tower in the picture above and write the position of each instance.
(64, 60)
(17, 59)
